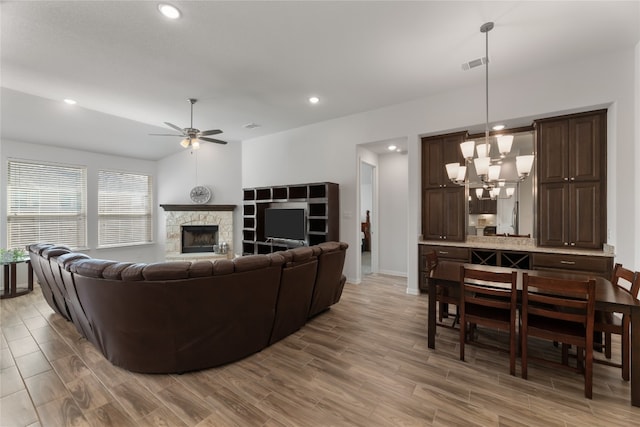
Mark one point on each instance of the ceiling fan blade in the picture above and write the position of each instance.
(217, 141)
(166, 134)
(209, 132)
(176, 128)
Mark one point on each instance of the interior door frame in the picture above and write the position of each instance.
(373, 215)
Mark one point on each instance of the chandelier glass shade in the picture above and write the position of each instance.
(488, 169)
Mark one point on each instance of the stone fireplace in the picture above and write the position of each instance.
(192, 230)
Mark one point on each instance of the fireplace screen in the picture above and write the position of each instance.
(199, 238)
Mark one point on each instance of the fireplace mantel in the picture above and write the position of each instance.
(187, 208)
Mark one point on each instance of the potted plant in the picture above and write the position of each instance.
(11, 255)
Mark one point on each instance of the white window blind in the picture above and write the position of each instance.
(46, 203)
(124, 208)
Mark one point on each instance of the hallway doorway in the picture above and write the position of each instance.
(367, 216)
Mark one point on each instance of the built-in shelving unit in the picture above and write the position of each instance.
(321, 204)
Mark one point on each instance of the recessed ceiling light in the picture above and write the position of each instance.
(392, 147)
(498, 127)
(314, 99)
(169, 11)
(70, 101)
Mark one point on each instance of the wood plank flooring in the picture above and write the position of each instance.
(365, 362)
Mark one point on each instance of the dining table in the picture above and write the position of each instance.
(609, 298)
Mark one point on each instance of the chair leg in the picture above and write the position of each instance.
(588, 373)
(580, 357)
(512, 351)
(462, 338)
(625, 348)
(607, 345)
(456, 318)
(523, 355)
(565, 354)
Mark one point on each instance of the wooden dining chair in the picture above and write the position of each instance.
(489, 299)
(445, 295)
(559, 310)
(608, 323)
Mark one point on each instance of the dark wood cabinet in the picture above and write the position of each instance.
(442, 211)
(443, 207)
(481, 206)
(572, 180)
(601, 265)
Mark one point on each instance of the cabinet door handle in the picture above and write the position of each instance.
(566, 244)
(573, 243)
(573, 178)
(443, 252)
(445, 237)
(566, 179)
(567, 262)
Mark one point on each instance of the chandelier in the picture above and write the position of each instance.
(488, 169)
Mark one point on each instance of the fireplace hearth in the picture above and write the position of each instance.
(198, 238)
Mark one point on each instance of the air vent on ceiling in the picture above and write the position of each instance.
(475, 63)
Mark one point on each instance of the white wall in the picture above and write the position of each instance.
(393, 177)
(325, 151)
(218, 167)
(93, 162)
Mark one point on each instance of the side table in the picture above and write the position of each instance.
(11, 288)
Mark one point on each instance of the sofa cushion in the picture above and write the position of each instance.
(286, 255)
(276, 259)
(201, 269)
(114, 271)
(133, 272)
(171, 270)
(251, 262)
(223, 267)
(37, 248)
(90, 267)
(55, 250)
(330, 246)
(65, 260)
(302, 253)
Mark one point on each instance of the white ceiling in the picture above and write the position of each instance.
(130, 69)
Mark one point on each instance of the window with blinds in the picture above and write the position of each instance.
(124, 208)
(46, 203)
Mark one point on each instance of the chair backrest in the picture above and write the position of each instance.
(560, 299)
(630, 282)
(432, 260)
(488, 288)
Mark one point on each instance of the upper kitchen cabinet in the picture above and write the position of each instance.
(572, 180)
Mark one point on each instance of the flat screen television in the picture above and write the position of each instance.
(283, 223)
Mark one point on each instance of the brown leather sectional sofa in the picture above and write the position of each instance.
(169, 317)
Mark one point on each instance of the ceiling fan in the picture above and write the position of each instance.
(192, 136)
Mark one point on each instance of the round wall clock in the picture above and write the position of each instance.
(200, 194)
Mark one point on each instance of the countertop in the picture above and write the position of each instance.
(517, 244)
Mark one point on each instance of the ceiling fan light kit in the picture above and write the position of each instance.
(191, 136)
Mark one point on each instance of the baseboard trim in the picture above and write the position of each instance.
(393, 273)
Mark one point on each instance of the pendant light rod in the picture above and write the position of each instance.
(485, 28)
(192, 101)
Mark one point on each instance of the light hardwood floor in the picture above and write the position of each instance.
(365, 362)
